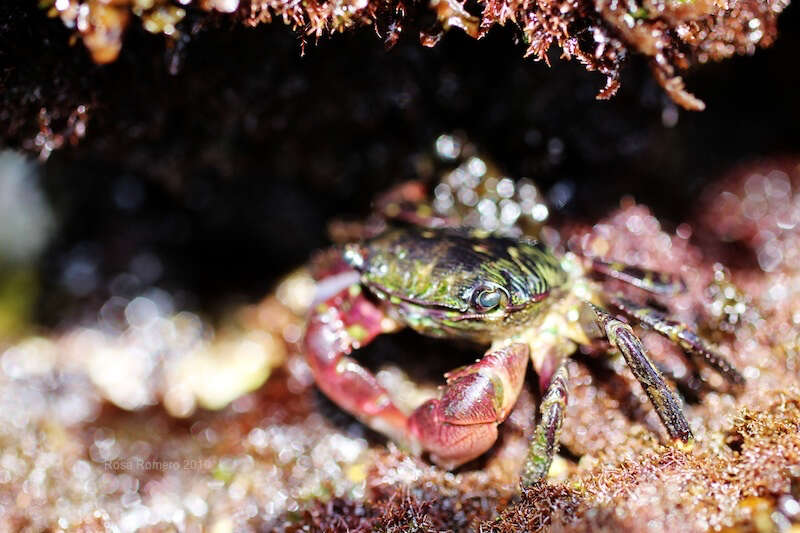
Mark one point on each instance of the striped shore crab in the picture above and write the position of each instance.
(509, 292)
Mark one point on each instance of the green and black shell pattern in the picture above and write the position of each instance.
(458, 282)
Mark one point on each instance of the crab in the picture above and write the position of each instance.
(511, 293)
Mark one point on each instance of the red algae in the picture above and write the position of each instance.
(600, 34)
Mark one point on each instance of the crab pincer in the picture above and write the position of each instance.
(345, 322)
(462, 424)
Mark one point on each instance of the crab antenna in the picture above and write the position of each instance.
(664, 401)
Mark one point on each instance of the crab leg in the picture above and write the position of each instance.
(664, 401)
(680, 334)
(408, 203)
(342, 323)
(648, 280)
(544, 444)
(462, 424)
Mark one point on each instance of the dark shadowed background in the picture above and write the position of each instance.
(228, 170)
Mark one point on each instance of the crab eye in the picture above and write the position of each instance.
(487, 299)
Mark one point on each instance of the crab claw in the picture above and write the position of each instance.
(338, 325)
(462, 424)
